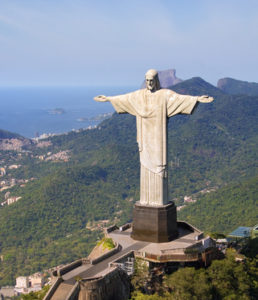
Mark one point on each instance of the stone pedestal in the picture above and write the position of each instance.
(155, 224)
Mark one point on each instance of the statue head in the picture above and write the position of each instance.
(152, 80)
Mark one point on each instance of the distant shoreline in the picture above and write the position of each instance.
(44, 136)
(32, 111)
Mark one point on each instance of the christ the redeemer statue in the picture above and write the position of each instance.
(152, 107)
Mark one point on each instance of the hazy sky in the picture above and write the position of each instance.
(114, 42)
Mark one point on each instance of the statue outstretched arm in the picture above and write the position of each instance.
(184, 104)
(122, 103)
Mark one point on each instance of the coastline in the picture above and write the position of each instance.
(25, 110)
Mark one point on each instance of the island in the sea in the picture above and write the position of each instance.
(56, 111)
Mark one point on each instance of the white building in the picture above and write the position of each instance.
(22, 282)
(36, 280)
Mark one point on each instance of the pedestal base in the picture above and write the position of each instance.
(154, 224)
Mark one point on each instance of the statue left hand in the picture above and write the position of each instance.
(205, 99)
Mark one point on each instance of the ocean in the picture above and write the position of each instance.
(32, 111)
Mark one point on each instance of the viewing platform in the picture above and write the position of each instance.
(109, 272)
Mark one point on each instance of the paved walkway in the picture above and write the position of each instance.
(89, 271)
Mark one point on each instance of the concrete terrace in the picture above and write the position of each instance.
(189, 238)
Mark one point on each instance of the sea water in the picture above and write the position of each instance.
(32, 111)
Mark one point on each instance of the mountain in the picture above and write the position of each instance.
(167, 78)
(13, 141)
(61, 211)
(232, 86)
(196, 86)
(9, 135)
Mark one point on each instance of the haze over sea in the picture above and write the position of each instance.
(30, 110)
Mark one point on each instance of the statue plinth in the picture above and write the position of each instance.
(155, 224)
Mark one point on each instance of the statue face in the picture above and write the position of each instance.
(150, 83)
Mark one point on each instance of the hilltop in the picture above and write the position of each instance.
(197, 86)
(233, 87)
(13, 141)
(9, 135)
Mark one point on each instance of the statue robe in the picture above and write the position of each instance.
(152, 110)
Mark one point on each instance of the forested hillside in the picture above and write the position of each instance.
(58, 217)
(223, 210)
(234, 87)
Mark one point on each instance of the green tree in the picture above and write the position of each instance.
(36, 295)
(230, 279)
(189, 284)
(141, 277)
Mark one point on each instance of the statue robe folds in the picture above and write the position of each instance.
(152, 110)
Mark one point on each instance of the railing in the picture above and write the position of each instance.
(67, 268)
(110, 229)
(74, 292)
(122, 258)
(126, 226)
(195, 248)
(106, 255)
(53, 288)
(195, 256)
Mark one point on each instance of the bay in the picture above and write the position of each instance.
(32, 111)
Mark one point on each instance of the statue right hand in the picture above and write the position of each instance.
(205, 99)
(101, 98)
